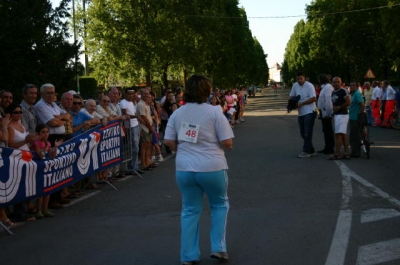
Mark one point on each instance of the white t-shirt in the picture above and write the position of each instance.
(390, 93)
(235, 98)
(377, 93)
(130, 110)
(207, 154)
(306, 91)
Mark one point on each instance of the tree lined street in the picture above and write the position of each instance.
(284, 210)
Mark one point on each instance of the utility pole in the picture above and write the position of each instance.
(84, 41)
(76, 52)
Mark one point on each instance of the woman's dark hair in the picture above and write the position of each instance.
(40, 127)
(198, 89)
(11, 108)
(154, 97)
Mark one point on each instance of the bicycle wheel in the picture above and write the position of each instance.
(394, 120)
(365, 141)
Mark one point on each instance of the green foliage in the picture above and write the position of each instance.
(35, 49)
(136, 41)
(345, 44)
(88, 86)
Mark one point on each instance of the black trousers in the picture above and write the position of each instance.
(329, 136)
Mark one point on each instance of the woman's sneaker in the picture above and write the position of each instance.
(159, 158)
(39, 215)
(48, 214)
(219, 255)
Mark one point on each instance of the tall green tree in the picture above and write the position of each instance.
(35, 47)
(132, 41)
(345, 38)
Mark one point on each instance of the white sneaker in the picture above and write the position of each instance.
(159, 158)
(303, 155)
(313, 154)
(153, 158)
(242, 120)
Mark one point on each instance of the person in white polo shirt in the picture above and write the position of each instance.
(129, 109)
(306, 107)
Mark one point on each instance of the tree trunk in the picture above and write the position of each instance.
(165, 76)
(148, 78)
(184, 77)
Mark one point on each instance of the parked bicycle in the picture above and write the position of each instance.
(394, 120)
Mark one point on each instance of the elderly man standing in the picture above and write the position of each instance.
(129, 109)
(66, 104)
(55, 118)
(356, 106)
(115, 96)
(306, 108)
(326, 111)
(29, 120)
(146, 129)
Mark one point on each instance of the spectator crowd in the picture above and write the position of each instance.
(42, 125)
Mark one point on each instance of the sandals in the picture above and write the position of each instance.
(347, 157)
(334, 158)
(8, 223)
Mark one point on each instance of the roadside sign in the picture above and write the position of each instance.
(369, 74)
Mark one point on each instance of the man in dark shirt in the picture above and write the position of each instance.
(340, 102)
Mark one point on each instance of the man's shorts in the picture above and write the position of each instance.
(145, 136)
(341, 122)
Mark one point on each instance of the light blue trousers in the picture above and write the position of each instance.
(192, 186)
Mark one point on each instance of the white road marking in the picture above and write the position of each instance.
(370, 254)
(379, 252)
(337, 252)
(377, 214)
(82, 198)
(373, 188)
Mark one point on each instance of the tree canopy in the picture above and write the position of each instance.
(136, 41)
(34, 45)
(345, 38)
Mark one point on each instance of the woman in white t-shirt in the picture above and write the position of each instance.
(201, 167)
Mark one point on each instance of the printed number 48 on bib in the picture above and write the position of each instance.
(189, 132)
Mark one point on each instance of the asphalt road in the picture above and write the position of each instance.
(284, 210)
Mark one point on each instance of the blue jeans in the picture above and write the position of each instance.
(192, 186)
(306, 124)
(369, 114)
(133, 164)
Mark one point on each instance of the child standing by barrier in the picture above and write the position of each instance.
(42, 147)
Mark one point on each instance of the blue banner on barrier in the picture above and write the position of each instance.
(23, 176)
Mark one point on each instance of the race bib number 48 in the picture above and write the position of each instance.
(189, 132)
